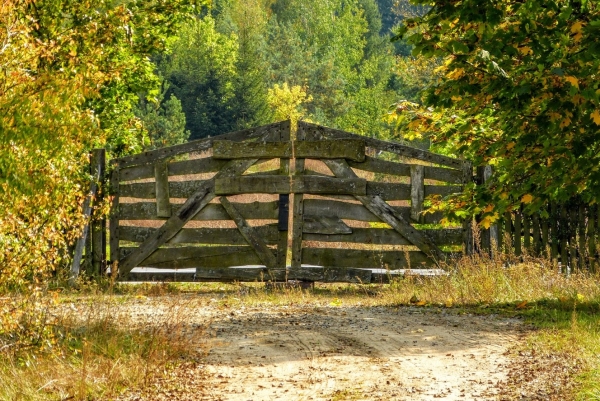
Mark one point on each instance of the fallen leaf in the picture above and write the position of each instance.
(573, 81)
(522, 305)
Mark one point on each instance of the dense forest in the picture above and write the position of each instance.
(231, 66)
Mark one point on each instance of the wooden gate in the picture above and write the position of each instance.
(219, 208)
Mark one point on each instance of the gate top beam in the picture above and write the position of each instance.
(316, 132)
(201, 144)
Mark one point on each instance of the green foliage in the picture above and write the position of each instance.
(334, 49)
(520, 92)
(164, 121)
(71, 71)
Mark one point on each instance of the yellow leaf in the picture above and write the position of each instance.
(596, 116)
(565, 123)
(449, 302)
(527, 198)
(488, 208)
(577, 27)
(456, 74)
(510, 145)
(456, 98)
(486, 222)
(525, 50)
(573, 81)
(522, 305)
(578, 99)
(421, 303)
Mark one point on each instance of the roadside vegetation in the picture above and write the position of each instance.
(92, 349)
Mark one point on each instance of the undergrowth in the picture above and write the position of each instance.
(88, 344)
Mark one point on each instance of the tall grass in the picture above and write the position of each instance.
(98, 351)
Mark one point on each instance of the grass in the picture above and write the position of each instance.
(98, 353)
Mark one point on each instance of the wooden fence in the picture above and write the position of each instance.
(567, 235)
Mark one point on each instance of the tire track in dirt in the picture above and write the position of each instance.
(294, 353)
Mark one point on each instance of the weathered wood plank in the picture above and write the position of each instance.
(518, 233)
(194, 166)
(469, 246)
(163, 206)
(98, 231)
(147, 190)
(283, 208)
(221, 236)
(365, 259)
(554, 231)
(527, 232)
(329, 185)
(259, 246)
(146, 211)
(315, 132)
(252, 184)
(388, 190)
(417, 192)
(379, 166)
(113, 234)
(351, 149)
(304, 273)
(256, 150)
(536, 234)
(190, 208)
(387, 214)
(581, 234)
(385, 236)
(298, 219)
(350, 211)
(207, 256)
(591, 235)
(199, 145)
(324, 225)
(282, 185)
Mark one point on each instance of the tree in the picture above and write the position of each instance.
(70, 74)
(519, 91)
(163, 120)
(333, 49)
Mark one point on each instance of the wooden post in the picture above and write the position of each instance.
(417, 192)
(591, 236)
(489, 237)
(87, 213)
(284, 203)
(114, 221)
(467, 169)
(161, 176)
(99, 224)
(298, 216)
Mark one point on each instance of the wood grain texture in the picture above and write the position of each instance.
(351, 211)
(163, 206)
(185, 167)
(417, 192)
(200, 145)
(189, 209)
(146, 211)
(186, 257)
(365, 259)
(379, 166)
(253, 238)
(386, 236)
(113, 234)
(305, 273)
(221, 236)
(351, 149)
(315, 132)
(255, 150)
(324, 225)
(285, 185)
(387, 214)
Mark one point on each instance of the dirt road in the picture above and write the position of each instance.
(355, 353)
